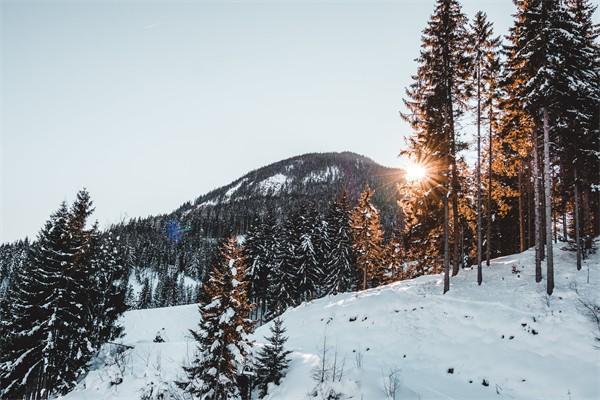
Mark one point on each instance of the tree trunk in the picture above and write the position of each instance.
(446, 255)
(548, 201)
(530, 237)
(577, 227)
(479, 272)
(564, 226)
(554, 225)
(586, 219)
(488, 241)
(521, 212)
(538, 217)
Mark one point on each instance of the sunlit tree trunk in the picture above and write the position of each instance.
(548, 206)
(446, 255)
(479, 272)
(521, 211)
(488, 241)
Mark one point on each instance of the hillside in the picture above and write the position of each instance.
(505, 339)
(279, 187)
(316, 177)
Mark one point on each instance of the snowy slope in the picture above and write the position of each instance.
(506, 332)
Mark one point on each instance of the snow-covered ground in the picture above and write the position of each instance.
(507, 334)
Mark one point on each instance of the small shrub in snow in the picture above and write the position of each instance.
(391, 384)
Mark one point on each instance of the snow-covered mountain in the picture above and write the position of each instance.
(503, 339)
(317, 177)
(186, 238)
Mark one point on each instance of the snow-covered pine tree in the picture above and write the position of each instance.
(81, 294)
(223, 346)
(579, 134)
(393, 258)
(260, 254)
(31, 361)
(283, 278)
(340, 265)
(307, 237)
(145, 296)
(271, 361)
(108, 281)
(546, 71)
(367, 239)
(60, 314)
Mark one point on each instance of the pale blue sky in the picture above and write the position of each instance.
(150, 104)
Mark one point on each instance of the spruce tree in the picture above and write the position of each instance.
(145, 296)
(260, 254)
(271, 361)
(283, 278)
(64, 307)
(435, 99)
(307, 257)
(367, 239)
(547, 72)
(340, 267)
(223, 346)
(31, 363)
(486, 66)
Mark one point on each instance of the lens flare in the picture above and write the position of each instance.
(414, 172)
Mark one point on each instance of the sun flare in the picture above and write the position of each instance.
(414, 172)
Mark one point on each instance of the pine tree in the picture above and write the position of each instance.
(546, 72)
(260, 254)
(340, 267)
(222, 338)
(271, 361)
(485, 61)
(283, 278)
(108, 286)
(64, 307)
(393, 258)
(31, 365)
(436, 98)
(308, 253)
(145, 296)
(367, 239)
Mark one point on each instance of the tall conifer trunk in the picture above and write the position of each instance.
(548, 206)
(576, 214)
(521, 211)
(488, 241)
(538, 217)
(446, 255)
(479, 272)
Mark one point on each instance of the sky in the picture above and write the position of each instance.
(151, 104)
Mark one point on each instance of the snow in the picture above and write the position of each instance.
(273, 184)
(232, 190)
(329, 174)
(524, 344)
(207, 203)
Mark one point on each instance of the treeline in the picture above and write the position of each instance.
(308, 255)
(12, 257)
(275, 266)
(534, 98)
(61, 306)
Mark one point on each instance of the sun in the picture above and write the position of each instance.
(414, 172)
